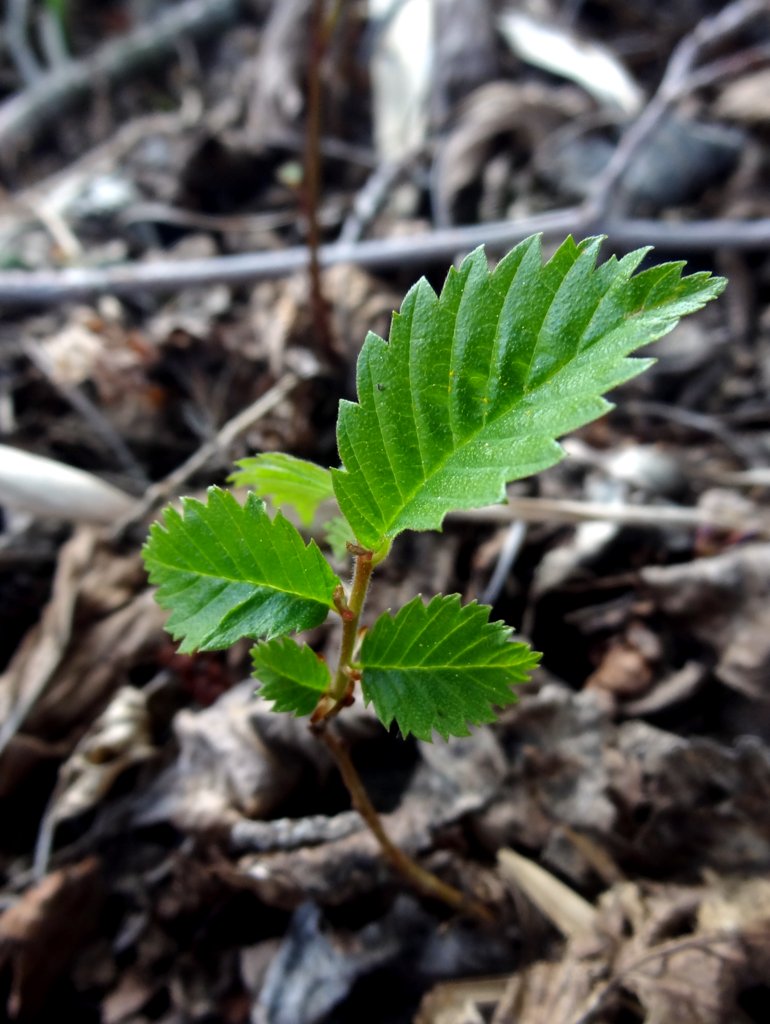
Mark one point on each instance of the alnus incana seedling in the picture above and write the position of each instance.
(470, 392)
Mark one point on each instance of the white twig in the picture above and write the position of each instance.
(558, 510)
(514, 539)
(43, 487)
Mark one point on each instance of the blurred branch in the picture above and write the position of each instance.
(680, 79)
(15, 27)
(24, 115)
(53, 40)
(40, 288)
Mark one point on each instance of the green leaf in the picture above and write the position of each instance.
(292, 676)
(475, 385)
(441, 667)
(228, 571)
(286, 480)
(338, 535)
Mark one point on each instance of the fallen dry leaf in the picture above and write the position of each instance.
(42, 933)
(118, 738)
(40, 653)
(86, 681)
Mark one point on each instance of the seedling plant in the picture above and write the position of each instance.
(471, 391)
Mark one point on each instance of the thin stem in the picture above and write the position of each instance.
(428, 883)
(340, 695)
(362, 574)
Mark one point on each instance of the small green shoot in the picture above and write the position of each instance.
(472, 390)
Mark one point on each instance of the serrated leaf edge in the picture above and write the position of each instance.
(622, 272)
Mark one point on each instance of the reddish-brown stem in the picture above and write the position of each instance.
(319, 36)
(338, 697)
(423, 880)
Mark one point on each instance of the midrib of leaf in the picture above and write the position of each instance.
(221, 577)
(205, 565)
(429, 624)
(453, 666)
(265, 582)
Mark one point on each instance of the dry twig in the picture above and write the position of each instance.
(17, 43)
(681, 78)
(91, 414)
(46, 288)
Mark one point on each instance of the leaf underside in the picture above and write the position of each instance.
(292, 675)
(475, 385)
(441, 667)
(286, 480)
(228, 571)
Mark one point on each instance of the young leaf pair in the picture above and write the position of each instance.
(471, 391)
